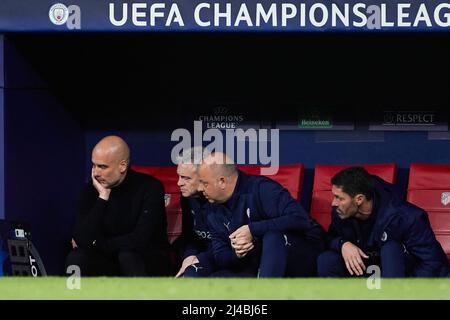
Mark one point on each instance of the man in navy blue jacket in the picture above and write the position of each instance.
(198, 258)
(373, 225)
(257, 228)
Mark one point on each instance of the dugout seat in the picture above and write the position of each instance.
(322, 196)
(429, 189)
(289, 176)
(169, 178)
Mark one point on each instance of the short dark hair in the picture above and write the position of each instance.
(353, 181)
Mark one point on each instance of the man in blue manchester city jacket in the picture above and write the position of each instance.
(372, 225)
(198, 257)
(257, 228)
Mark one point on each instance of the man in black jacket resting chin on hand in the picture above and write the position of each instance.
(120, 227)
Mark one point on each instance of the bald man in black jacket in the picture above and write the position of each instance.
(121, 223)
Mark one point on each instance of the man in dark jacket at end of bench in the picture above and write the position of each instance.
(372, 225)
(121, 223)
(257, 228)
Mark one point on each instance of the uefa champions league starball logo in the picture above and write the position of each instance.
(58, 14)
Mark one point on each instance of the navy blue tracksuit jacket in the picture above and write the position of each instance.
(394, 220)
(265, 206)
(196, 234)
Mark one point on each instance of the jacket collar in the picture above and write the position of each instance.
(238, 188)
(386, 198)
(129, 177)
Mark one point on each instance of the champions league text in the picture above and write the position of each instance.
(260, 149)
(282, 14)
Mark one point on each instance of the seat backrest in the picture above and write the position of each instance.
(289, 176)
(429, 189)
(322, 196)
(169, 178)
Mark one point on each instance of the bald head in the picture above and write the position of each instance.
(110, 160)
(114, 146)
(220, 164)
(218, 177)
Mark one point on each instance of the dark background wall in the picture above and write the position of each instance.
(2, 136)
(63, 93)
(44, 148)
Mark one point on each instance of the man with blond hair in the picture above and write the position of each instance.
(198, 257)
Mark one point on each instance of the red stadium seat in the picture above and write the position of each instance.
(168, 176)
(322, 196)
(429, 189)
(289, 176)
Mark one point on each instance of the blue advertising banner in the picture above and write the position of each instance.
(224, 15)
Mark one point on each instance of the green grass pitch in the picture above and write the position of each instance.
(222, 289)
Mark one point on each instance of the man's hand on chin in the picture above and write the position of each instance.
(103, 192)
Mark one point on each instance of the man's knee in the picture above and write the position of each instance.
(329, 264)
(77, 257)
(131, 263)
(126, 257)
(195, 271)
(392, 248)
(274, 241)
(203, 268)
(393, 263)
(275, 253)
(392, 253)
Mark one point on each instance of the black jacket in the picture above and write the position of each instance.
(133, 219)
(196, 235)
